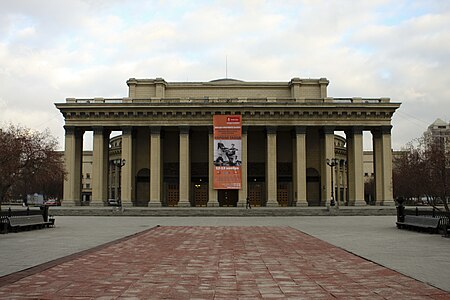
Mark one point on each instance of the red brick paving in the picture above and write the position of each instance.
(218, 263)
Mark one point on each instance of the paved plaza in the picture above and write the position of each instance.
(224, 258)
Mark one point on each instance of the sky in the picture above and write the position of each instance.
(51, 50)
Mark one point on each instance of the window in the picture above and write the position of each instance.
(88, 175)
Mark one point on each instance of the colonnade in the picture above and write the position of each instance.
(354, 181)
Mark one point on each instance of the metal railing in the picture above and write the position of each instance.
(211, 100)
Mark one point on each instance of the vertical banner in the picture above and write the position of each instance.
(227, 155)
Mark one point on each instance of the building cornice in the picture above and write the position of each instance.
(261, 113)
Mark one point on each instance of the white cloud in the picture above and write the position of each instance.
(50, 50)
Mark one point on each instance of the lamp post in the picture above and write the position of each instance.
(119, 163)
(332, 163)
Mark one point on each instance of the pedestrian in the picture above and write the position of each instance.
(247, 204)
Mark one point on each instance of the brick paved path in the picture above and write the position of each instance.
(216, 263)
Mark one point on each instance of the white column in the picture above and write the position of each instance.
(299, 162)
(212, 193)
(355, 167)
(243, 157)
(383, 166)
(338, 183)
(127, 181)
(110, 180)
(185, 172)
(73, 161)
(100, 167)
(116, 181)
(271, 166)
(328, 153)
(345, 182)
(155, 166)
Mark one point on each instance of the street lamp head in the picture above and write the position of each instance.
(119, 162)
(332, 162)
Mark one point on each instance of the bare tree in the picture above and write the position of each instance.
(437, 157)
(423, 171)
(28, 161)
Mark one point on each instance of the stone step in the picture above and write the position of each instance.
(223, 211)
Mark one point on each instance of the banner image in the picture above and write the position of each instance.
(227, 156)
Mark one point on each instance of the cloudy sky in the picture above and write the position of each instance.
(53, 49)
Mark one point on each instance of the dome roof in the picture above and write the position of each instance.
(226, 80)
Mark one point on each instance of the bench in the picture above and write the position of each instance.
(29, 222)
(4, 224)
(433, 225)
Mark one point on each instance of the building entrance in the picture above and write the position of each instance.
(313, 187)
(228, 197)
(200, 193)
(142, 187)
(256, 192)
(172, 193)
(283, 193)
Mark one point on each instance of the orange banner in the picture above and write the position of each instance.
(227, 155)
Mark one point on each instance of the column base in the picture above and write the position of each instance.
(127, 204)
(184, 204)
(386, 203)
(301, 204)
(154, 204)
(360, 203)
(97, 203)
(212, 203)
(272, 204)
(70, 203)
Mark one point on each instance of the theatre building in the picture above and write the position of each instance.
(218, 143)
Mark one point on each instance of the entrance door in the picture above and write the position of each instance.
(172, 194)
(313, 187)
(142, 187)
(142, 191)
(256, 192)
(200, 194)
(283, 193)
(228, 197)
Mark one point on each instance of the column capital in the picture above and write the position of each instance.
(300, 129)
(184, 129)
(271, 129)
(98, 129)
(380, 130)
(386, 129)
(155, 129)
(328, 129)
(73, 130)
(70, 129)
(354, 130)
(127, 130)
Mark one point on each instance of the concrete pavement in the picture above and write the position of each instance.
(218, 262)
(421, 256)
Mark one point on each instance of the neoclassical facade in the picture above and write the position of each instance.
(167, 144)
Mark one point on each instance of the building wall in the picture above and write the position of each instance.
(227, 88)
(86, 183)
(298, 115)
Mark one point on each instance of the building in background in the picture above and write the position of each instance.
(86, 178)
(439, 130)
